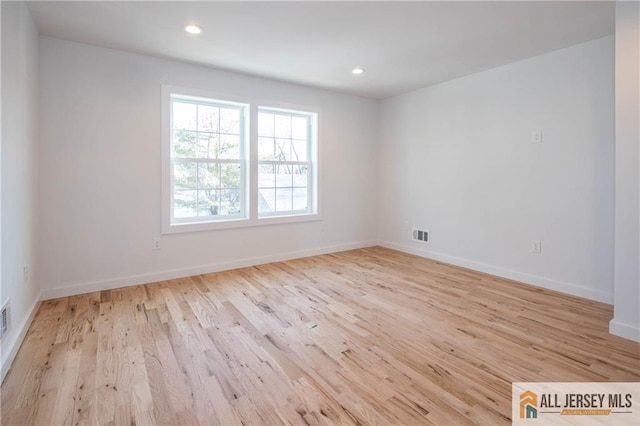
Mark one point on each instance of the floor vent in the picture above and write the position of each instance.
(421, 235)
(4, 320)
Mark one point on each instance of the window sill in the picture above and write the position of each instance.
(276, 220)
(181, 228)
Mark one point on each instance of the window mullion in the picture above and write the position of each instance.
(311, 158)
(252, 201)
(285, 163)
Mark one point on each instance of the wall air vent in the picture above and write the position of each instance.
(4, 319)
(420, 235)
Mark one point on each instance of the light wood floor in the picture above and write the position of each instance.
(365, 336)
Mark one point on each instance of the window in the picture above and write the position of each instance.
(284, 162)
(207, 160)
(219, 172)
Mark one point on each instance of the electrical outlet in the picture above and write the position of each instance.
(25, 274)
(323, 226)
(406, 225)
(536, 246)
(155, 245)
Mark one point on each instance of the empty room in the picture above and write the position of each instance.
(320, 212)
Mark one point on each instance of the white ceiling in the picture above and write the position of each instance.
(402, 45)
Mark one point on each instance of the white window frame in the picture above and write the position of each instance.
(249, 170)
(311, 163)
(242, 109)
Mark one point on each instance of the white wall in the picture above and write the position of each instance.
(19, 172)
(456, 159)
(626, 320)
(100, 172)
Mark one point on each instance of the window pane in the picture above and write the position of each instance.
(265, 124)
(184, 203)
(266, 200)
(208, 118)
(298, 150)
(283, 150)
(266, 176)
(230, 121)
(283, 176)
(265, 148)
(229, 147)
(184, 175)
(184, 116)
(299, 128)
(208, 202)
(283, 199)
(300, 201)
(230, 176)
(208, 176)
(184, 144)
(283, 126)
(300, 176)
(229, 201)
(208, 145)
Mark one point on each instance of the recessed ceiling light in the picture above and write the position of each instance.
(357, 71)
(193, 29)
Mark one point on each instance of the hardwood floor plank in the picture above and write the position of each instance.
(66, 399)
(369, 336)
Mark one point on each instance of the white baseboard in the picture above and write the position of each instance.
(132, 280)
(569, 288)
(9, 354)
(624, 330)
